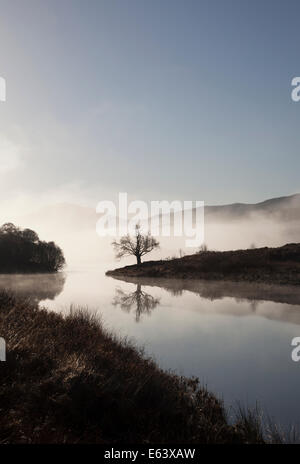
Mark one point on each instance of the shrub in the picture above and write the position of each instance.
(22, 251)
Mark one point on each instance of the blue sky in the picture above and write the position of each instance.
(161, 99)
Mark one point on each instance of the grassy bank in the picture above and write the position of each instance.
(66, 380)
(267, 265)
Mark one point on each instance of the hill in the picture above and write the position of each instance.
(271, 265)
(278, 209)
(273, 222)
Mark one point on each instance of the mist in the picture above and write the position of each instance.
(230, 227)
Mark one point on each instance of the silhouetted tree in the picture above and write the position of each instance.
(22, 251)
(30, 235)
(140, 301)
(203, 248)
(138, 245)
(9, 229)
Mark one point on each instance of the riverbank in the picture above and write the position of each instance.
(266, 265)
(66, 380)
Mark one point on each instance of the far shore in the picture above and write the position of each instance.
(280, 266)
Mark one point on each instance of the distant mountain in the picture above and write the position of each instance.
(273, 222)
(70, 216)
(279, 209)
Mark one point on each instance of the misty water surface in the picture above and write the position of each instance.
(235, 337)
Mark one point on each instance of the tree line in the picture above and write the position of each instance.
(21, 250)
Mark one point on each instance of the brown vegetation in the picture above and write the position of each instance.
(270, 265)
(68, 381)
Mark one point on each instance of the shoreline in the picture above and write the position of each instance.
(67, 380)
(280, 266)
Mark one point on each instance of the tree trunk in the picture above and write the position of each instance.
(138, 259)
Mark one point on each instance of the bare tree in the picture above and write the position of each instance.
(203, 248)
(140, 301)
(138, 245)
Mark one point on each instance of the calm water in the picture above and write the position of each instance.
(235, 338)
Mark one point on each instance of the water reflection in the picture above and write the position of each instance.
(36, 287)
(288, 297)
(138, 301)
(236, 337)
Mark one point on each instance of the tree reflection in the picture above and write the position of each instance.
(257, 295)
(138, 301)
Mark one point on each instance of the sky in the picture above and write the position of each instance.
(163, 99)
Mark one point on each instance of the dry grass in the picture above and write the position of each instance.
(269, 265)
(66, 380)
